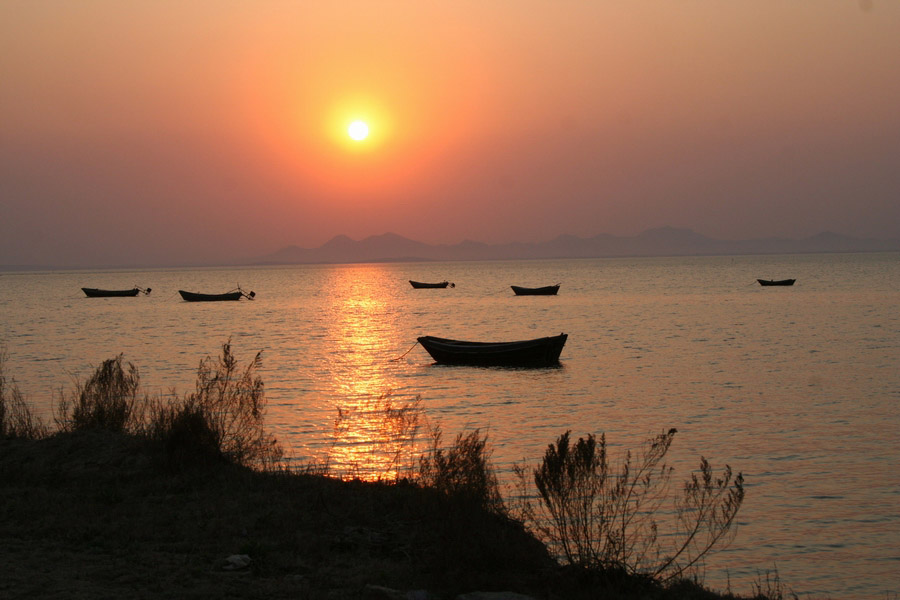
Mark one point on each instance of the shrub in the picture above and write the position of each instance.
(222, 418)
(462, 471)
(771, 587)
(185, 434)
(108, 400)
(599, 518)
(16, 418)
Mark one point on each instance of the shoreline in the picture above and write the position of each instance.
(95, 514)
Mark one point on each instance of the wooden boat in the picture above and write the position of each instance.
(547, 290)
(232, 295)
(540, 352)
(98, 293)
(421, 285)
(776, 281)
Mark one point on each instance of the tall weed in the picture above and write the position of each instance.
(17, 420)
(462, 471)
(108, 400)
(599, 517)
(770, 587)
(222, 418)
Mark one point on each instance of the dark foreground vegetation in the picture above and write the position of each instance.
(127, 495)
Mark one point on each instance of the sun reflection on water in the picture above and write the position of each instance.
(374, 430)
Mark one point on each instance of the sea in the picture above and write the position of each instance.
(797, 388)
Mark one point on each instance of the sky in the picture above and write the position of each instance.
(169, 132)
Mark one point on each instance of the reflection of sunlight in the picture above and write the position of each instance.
(372, 431)
(375, 438)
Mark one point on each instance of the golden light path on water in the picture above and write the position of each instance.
(372, 430)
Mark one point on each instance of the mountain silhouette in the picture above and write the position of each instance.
(662, 241)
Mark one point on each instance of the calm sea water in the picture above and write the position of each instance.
(796, 387)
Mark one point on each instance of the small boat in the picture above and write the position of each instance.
(232, 295)
(98, 293)
(420, 285)
(540, 352)
(776, 281)
(547, 290)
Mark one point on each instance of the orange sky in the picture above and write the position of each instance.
(170, 132)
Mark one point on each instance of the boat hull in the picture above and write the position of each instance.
(420, 285)
(539, 352)
(548, 290)
(98, 293)
(770, 282)
(195, 297)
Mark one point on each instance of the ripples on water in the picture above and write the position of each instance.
(797, 387)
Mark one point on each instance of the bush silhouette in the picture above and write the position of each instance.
(597, 517)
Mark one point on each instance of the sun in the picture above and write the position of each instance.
(358, 130)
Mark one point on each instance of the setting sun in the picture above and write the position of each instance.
(358, 130)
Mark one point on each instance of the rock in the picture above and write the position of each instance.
(236, 562)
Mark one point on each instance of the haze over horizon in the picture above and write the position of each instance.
(171, 133)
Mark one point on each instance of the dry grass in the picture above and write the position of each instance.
(599, 517)
(17, 420)
(107, 400)
(462, 471)
(769, 586)
(223, 419)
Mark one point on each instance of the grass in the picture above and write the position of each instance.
(17, 420)
(462, 472)
(223, 419)
(768, 586)
(602, 517)
(107, 400)
(136, 496)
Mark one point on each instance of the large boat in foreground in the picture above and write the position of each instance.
(767, 282)
(98, 293)
(232, 295)
(547, 290)
(540, 352)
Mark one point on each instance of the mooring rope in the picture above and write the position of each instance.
(405, 353)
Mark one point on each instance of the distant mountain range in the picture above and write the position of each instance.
(664, 241)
